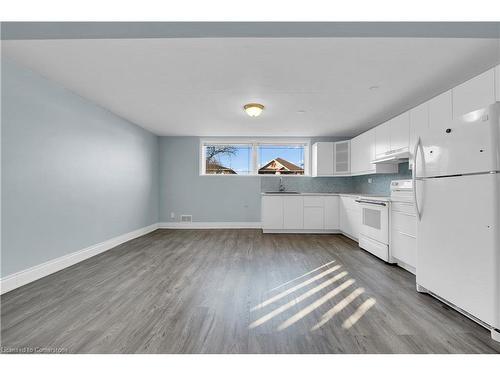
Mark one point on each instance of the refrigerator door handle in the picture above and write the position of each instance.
(414, 177)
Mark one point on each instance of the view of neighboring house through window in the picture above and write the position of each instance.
(228, 159)
(281, 159)
(254, 158)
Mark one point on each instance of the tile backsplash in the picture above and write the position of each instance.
(308, 184)
(380, 183)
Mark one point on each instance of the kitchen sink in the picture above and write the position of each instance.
(282, 192)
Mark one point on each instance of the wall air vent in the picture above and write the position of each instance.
(186, 218)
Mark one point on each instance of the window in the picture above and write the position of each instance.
(249, 158)
(228, 159)
(281, 159)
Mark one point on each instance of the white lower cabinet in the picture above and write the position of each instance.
(332, 212)
(311, 213)
(314, 212)
(350, 216)
(293, 212)
(314, 218)
(403, 243)
(302, 213)
(272, 212)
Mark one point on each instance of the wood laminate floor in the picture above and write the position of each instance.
(235, 291)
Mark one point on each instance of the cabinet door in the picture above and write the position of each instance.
(363, 152)
(368, 144)
(293, 212)
(419, 125)
(323, 159)
(383, 138)
(272, 212)
(400, 131)
(314, 218)
(350, 216)
(440, 112)
(342, 156)
(474, 94)
(354, 218)
(497, 83)
(356, 154)
(342, 214)
(332, 212)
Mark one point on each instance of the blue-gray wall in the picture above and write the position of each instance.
(237, 198)
(207, 198)
(73, 174)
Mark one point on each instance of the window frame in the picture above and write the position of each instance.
(255, 143)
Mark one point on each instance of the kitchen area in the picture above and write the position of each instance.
(433, 158)
(382, 225)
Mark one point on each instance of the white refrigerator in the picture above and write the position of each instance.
(457, 194)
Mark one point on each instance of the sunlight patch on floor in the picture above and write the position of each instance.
(300, 277)
(338, 308)
(295, 288)
(313, 306)
(297, 300)
(358, 314)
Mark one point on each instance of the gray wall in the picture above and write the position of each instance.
(73, 174)
(220, 198)
(207, 198)
(237, 198)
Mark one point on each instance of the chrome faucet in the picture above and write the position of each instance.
(282, 187)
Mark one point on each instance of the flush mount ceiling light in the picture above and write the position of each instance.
(253, 109)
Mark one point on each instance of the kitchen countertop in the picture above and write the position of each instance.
(360, 195)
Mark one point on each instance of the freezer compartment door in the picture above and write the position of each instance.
(457, 242)
(469, 144)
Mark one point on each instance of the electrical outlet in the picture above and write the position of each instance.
(370, 180)
(172, 215)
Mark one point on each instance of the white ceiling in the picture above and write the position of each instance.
(195, 86)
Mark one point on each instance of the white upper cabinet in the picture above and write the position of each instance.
(363, 152)
(393, 135)
(400, 132)
(425, 121)
(331, 158)
(342, 158)
(419, 125)
(323, 159)
(440, 111)
(474, 94)
(497, 83)
(383, 138)
(357, 151)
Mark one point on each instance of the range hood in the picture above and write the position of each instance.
(393, 157)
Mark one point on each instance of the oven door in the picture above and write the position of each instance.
(375, 220)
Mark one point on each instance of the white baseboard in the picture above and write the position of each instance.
(211, 225)
(24, 277)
